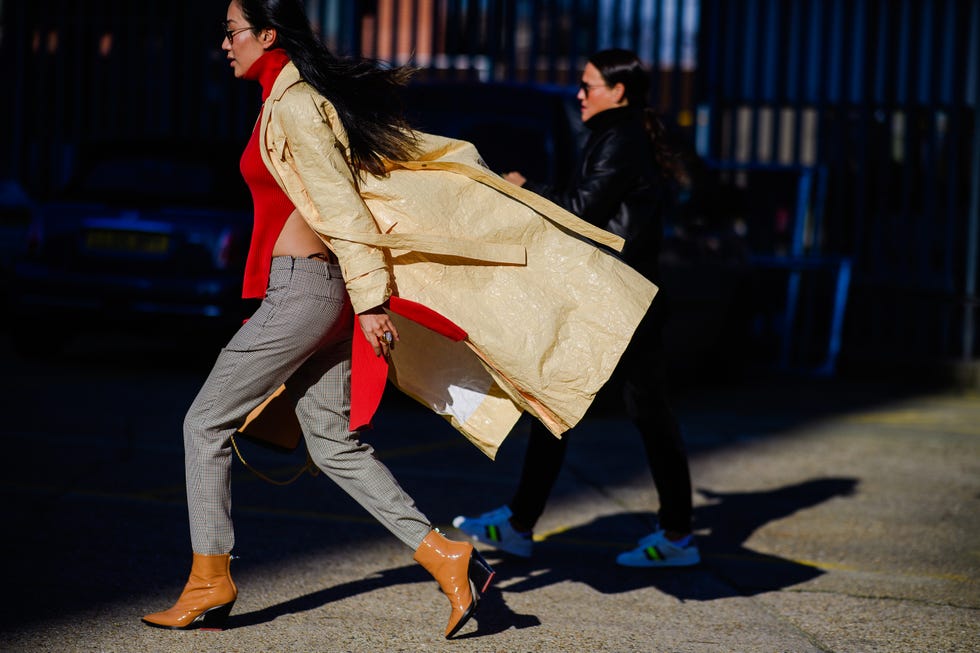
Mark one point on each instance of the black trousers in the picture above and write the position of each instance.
(641, 378)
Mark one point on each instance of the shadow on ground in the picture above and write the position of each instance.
(729, 567)
(493, 615)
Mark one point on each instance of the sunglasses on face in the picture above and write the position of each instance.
(585, 87)
(230, 34)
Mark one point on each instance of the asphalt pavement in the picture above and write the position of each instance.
(833, 515)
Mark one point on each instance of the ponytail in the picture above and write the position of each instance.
(668, 159)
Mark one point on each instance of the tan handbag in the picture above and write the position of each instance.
(273, 424)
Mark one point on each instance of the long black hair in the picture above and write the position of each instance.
(618, 66)
(364, 93)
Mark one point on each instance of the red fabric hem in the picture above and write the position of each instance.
(369, 372)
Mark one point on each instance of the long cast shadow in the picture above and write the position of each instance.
(493, 614)
(728, 567)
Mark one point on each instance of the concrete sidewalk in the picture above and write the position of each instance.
(832, 516)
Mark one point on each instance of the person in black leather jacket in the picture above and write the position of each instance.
(622, 184)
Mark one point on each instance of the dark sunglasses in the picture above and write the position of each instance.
(230, 34)
(586, 87)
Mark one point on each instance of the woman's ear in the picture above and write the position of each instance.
(267, 38)
(619, 93)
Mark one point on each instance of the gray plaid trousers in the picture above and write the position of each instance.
(301, 336)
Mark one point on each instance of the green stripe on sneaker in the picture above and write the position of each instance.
(493, 532)
(653, 553)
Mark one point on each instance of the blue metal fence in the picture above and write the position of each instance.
(111, 69)
(882, 95)
(524, 41)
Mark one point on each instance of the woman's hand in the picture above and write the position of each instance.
(379, 330)
(515, 178)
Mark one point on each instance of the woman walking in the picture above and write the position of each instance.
(301, 334)
(621, 184)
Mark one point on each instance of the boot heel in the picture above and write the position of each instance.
(480, 572)
(461, 572)
(215, 618)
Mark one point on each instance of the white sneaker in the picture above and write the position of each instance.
(655, 550)
(493, 528)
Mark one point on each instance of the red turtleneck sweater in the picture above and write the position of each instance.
(272, 206)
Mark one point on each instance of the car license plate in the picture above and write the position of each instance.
(104, 240)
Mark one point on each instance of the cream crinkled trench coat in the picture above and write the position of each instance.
(547, 313)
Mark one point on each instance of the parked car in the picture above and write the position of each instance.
(144, 234)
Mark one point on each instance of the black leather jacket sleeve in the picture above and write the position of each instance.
(617, 187)
(607, 173)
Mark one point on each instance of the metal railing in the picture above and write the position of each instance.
(884, 95)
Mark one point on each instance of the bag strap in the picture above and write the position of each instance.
(313, 469)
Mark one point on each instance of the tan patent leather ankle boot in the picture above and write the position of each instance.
(461, 572)
(206, 600)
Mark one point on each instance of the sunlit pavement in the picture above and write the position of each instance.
(831, 515)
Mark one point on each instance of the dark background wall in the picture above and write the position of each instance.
(840, 132)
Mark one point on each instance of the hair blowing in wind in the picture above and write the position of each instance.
(364, 93)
